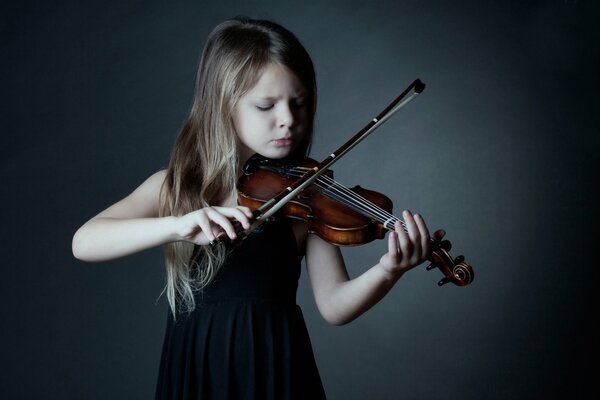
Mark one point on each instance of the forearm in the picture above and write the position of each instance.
(340, 299)
(102, 239)
(350, 299)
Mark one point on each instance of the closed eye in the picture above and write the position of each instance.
(265, 107)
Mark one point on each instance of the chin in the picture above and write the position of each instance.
(277, 154)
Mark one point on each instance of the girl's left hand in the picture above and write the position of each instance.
(406, 250)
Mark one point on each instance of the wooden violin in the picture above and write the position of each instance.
(340, 215)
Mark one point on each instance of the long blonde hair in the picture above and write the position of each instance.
(203, 169)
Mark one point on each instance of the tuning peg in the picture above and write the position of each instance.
(446, 245)
(459, 259)
(443, 281)
(430, 267)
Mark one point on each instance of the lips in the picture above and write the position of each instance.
(283, 142)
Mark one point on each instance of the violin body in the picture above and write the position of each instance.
(331, 220)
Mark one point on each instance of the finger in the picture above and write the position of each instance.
(439, 234)
(393, 250)
(413, 232)
(412, 227)
(204, 223)
(424, 233)
(238, 213)
(246, 211)
(403, 241)
(216, 217)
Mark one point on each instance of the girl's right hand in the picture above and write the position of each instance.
(202, 226)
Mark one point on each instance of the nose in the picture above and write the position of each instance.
(285, 117)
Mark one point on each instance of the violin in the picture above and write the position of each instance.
(341, 216)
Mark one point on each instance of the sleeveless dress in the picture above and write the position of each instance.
(246, 338)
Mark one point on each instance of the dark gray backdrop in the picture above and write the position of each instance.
(500, 150)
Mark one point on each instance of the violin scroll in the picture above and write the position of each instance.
(455, 270)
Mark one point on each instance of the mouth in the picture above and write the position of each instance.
(283, 142)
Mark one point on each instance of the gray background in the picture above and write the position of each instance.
(499, 150)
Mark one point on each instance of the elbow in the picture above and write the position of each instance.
(336, 318)
(339, 321)
(78, 246)
(336, 322)
(335, 311)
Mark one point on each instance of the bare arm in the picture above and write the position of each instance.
(341, 299)
(128, 226)
(132, 225)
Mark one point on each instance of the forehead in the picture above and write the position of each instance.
(277, 80)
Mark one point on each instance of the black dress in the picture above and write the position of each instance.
(247, 338)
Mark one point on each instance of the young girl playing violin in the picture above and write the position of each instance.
(234, 329)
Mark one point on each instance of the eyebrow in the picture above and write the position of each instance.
(271, 98)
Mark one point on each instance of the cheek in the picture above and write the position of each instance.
(249, 120)
(246, 127)
(235, 120)
(241, 123)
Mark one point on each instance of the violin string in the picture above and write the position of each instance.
(359, 203)
(339, 192)
(350, 198)
(361, 200)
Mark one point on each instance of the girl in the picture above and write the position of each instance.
(234, 329)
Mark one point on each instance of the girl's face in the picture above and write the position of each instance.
(272, 118)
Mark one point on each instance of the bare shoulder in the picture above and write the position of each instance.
(143, 202)
(150, 188)
(154, 181)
